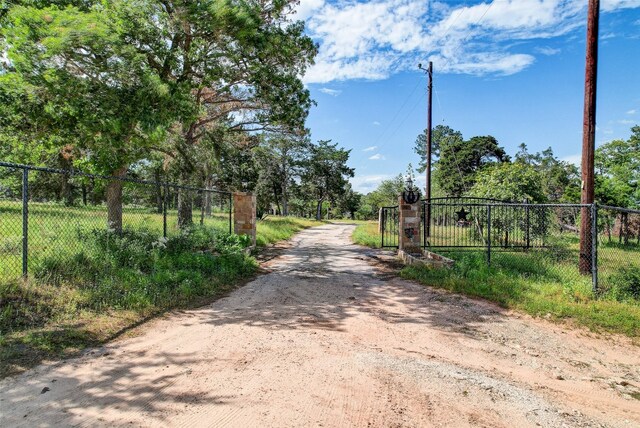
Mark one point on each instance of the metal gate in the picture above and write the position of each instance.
(389, 227)
(455, 222)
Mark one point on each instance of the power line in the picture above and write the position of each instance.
(414, 89)
(448, 61)
(395, 116)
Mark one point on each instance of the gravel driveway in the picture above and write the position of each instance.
(329, 338)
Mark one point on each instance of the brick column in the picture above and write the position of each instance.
(244, 215)
(409, 227)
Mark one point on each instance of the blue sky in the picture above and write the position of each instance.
(511, 69)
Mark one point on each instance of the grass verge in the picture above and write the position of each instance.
(367, 234)
(274, 229)
(542, 284)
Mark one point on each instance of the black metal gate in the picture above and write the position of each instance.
(389, 227)
(458, 222)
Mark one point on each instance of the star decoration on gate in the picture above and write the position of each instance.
(462, 214)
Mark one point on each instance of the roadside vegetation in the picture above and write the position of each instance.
(540, 284)
(274, 229)
(367, 234)
(105, 282)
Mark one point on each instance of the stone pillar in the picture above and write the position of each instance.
(409, 227)
(380, 228)
(244, 215)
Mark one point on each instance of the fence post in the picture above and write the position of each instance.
(526, 201)
(164, 210)
(381, 216)
(230, 213)
(489, 235)
(25, 220)
(426, 227)
(594, 247)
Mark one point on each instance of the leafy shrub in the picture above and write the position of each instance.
(135, 269)
(626, 284)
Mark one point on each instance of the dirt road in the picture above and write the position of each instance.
(328, 339)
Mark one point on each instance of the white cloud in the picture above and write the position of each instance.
(626, 121)
(332, 92)
(370, 149)
(377, 156)
(632, 111)
(306, 8)
(609, 5)
(367, 183)
(375, 39)
(547, 50)
(376, 123)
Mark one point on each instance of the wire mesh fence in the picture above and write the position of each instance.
(48, 214)
(618, 251)
(540, 241)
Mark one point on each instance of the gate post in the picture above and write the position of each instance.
(409, 227)
(244, 215)
(380, 225)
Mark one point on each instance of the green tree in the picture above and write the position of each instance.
(386, 194)
(239, 64)
(123, 74)
(90, 88)
(560, 180)
(440, 135)
(510, 181)
(460, 161)
(349, 201)
(617, 166)
(326, 173)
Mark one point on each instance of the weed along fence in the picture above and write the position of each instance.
(531, 239)
(47, 214)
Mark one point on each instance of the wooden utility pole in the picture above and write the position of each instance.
(588, 137)
(427, 195)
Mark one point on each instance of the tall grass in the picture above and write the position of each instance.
(54, 229)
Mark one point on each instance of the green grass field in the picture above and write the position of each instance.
(55, 229)
(274, 229)
(87, 285)
(542, 282)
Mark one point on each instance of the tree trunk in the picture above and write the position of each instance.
(159, 198)
(67, 190)
(207, 202)
(276, 198)
(285, 202)
(185, 205)
(84, 193)
(626, 228)
(202, 210)
(319, 210)
(114, 200)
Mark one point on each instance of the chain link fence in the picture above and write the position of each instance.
(618, 252)
(540, 241)
(46, 212)
(93, 242)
